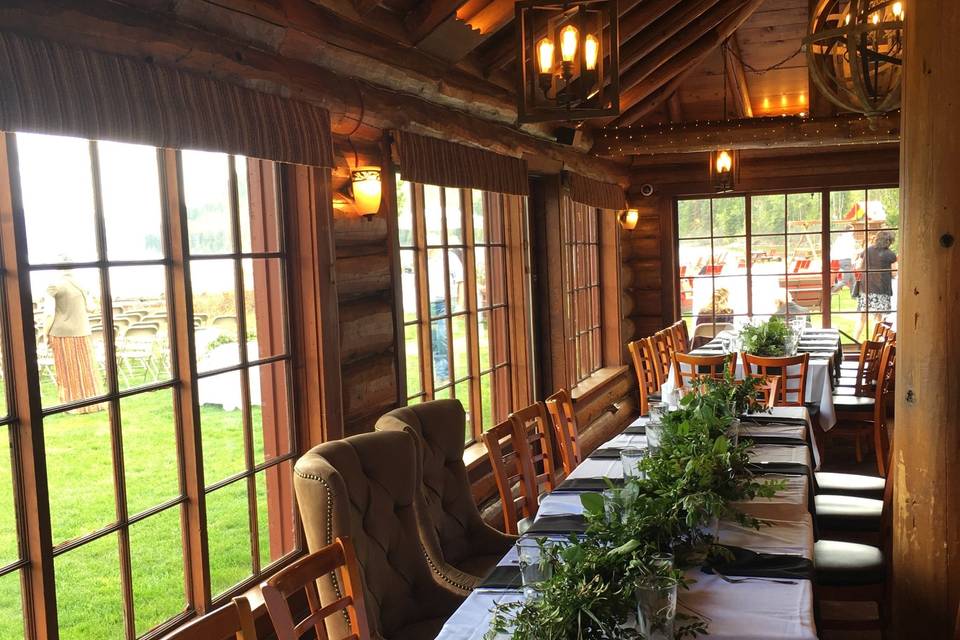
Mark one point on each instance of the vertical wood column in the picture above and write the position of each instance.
(926, 548)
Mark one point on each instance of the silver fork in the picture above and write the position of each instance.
(754, 579)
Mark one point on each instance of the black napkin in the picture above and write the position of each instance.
(761, 419)
(768, 439)
(503, 577)
(751, 564)
(568, 523)
(780, 468)
(607, 453)
(586, 484)
(636, 430)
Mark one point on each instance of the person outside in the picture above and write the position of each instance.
(67, 332)
(844, 250)
(875, 295)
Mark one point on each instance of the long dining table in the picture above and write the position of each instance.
(755, 608)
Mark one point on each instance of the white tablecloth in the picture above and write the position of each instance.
(760, 610)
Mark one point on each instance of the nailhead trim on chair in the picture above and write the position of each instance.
(440, 573)
(328, 538)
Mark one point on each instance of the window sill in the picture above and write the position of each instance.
(597, 382)
(474, 455)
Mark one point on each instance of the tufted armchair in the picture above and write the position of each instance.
(364, 487)
(457, 540)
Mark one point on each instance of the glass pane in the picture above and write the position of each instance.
(729, 217)
(767, 214)
(215, 313)
(11, 606)
(461, 348)
(768, 254)
(729, 256)
(804, 253)
(694, 257)
(803, 212)
(479, 217)
(270, 410)
(768, 294)
(130, 188)
(69, 329)
(845, 249)
(156, 564)
(405, 213)
(436, 274)
(228, 529)
(206, 194)
(463, 395)
(815, 320)
(486, 401)
(442, 394)
(59, 220)
(9, 550)
(483, 336)
(408, 268)
(693, 218)
(440, 343)
(889, 204)
(843, 285)
(730, 297)
(848, 209)
(805, 294)
(140, 309)
(480, 259)
(433, 214)
(79, 473)
(458, 285)
(89, 604)
(221, 425)
(276, 528)
(851, 325)
(412, 343)
(454, 216)
(264, 307)
(149, 449)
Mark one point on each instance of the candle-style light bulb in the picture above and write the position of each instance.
(724, 162)
(569, 39)
(591, 52)
(897, 10)
(545, 55)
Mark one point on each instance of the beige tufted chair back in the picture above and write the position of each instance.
(460, 544)
(364, 487)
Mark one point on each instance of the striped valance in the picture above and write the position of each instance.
(55, 89)
(447, 164)
(603, 195)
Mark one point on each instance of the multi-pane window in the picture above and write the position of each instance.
(581, 267)
(764, 255)
(453, 255)
(129, 373)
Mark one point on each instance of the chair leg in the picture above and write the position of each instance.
(859, 451)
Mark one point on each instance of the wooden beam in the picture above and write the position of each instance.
(657, 34)
(364, 7)
(926, 443)
(737, 78)
(665, 80)
(748, 133)
(426, 17)
(460, 34)
(161, 38)
(675, 109)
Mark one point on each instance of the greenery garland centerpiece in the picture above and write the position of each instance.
(767, 339)
(695, 478)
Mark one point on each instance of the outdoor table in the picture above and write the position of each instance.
(746, 610)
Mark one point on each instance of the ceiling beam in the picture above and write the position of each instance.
(658, 85)
(737, 78)
(427, 16)
(650, 38)
(364, 7)
(462, 32)
(674, 108)
(748, 133)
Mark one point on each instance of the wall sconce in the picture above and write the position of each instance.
(629, 218)
(724, 170)
(367, 190)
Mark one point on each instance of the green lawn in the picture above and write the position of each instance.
(82, 500)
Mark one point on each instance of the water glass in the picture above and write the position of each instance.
(610, 504)
(631, 459)
(654, 436)
(656, 607)
(657, 411)
(535, 567)
(662, 562)
(733, 431)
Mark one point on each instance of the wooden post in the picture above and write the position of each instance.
(926, 464)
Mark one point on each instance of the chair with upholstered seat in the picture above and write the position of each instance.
(336, 559)
(565, 429)
(644, 358)
(453, 531)
(365, 487)
(232, 621)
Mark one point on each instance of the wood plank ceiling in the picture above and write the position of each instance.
(673, 56)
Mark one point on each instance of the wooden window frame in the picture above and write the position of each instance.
(311, 407)
(508, 369)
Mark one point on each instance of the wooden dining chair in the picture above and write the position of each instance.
(565, 429)
(791, 372)
(301, 576)
(663, 355)
(509, 460)
(644, 359)
(864, 381)
(767, 392)
(688, 368)
(534, 424)
(231, 621)
(681, 337)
